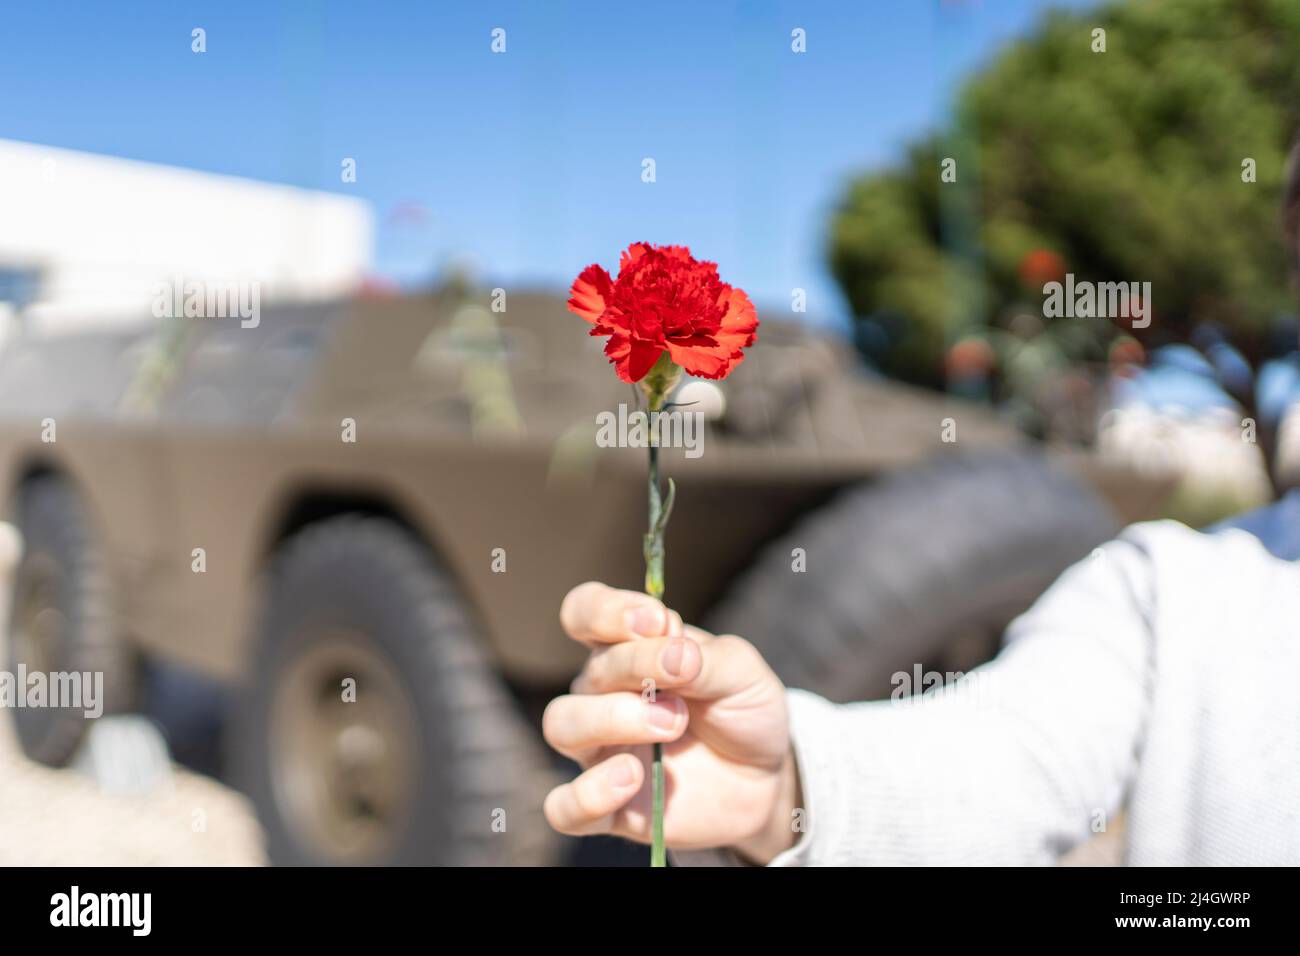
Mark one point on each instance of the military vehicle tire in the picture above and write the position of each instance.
(923, 567)
(373, 729)
(62, 619)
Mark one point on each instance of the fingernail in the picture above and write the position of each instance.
(663, 715)
(647, 620)
(619, 773)
(673, 656)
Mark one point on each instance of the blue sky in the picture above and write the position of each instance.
(526, 163)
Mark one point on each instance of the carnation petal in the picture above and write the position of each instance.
(632, 358)
(740, 323)
(701, 361)
(632, 253)
(641, 359)
(590, 292)
(649, 327)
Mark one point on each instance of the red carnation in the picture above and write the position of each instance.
(666, 300)
(664, 313)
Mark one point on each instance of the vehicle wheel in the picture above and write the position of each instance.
(374, 729)
(923, 567)
(61, 617)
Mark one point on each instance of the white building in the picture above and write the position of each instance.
(90, 238)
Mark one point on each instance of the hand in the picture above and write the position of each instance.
(718, 710)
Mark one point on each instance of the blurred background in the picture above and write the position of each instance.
(399, 195)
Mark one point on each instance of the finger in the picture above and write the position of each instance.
(657, 662)
(575, 724)
(587, 804)
(676, 628)
(698, 635)
(729, 665)
(595, 614)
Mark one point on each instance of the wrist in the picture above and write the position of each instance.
(778, 833)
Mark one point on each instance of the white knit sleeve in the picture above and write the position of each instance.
(1020, 760)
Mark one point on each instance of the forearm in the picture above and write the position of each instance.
(1015, 765)
(924, 783)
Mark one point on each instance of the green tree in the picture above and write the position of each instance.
(1127, 163)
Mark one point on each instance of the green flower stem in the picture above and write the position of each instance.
(657, 384)
(654, 586)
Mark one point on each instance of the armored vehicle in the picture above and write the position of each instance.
(361, 516)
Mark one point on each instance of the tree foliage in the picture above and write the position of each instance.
(1128, 163)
